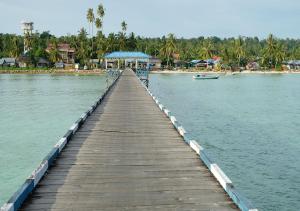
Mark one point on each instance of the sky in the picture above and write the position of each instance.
(155, 18)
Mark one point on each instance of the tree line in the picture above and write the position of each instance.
(93, 43)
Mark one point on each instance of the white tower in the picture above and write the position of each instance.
(27, 28)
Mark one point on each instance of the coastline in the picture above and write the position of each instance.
(224, 72)
(53, 71)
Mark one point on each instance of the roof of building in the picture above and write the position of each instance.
(127, 55)
(63, 47)
(43, 61)
(7, 60)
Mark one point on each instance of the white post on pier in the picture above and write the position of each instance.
(136, 64)
(106, 64)
(118, 63)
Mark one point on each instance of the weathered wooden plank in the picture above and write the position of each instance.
(128, 156)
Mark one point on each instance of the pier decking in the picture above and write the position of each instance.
(128, 156)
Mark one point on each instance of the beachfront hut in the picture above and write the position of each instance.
(123, 59)
(8, 62)
(179, 63)
(42, 63)
(155, 63)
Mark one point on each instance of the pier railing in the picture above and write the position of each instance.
(15, 202)
(238, 198)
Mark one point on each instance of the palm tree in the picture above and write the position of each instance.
(170, 47)
(122, 36)
(239, 49)
(124, 27)
(273, 52)
(101, 11)
(98, 23)
(280, 54)
(15, 50)
(206, 51)
(82, 49)
(91, 19)
(54, 55)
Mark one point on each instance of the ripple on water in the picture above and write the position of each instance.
(250, 126)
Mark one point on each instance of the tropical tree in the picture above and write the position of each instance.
(82, 47)
(273, 53)
(122, 36)
(91, 19)
(54, 55)
(15, 50)
(169, 48)
(239, 50)
(101, 11)
(206, 50)
(124, 27)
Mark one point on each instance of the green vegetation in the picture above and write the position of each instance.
(235, 52)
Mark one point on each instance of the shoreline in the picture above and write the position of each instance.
(102, 71)
(53, 72)
(223, 72)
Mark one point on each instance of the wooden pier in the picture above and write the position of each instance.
(128, 156)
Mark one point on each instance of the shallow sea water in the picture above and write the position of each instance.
(250, 125)
(35, 112)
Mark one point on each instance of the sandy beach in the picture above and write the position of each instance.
(224, 72)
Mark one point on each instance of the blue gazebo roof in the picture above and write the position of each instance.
(127, 55)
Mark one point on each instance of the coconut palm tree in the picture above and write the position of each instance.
(124, 27)
(54, 55)
(206, 51)
(101, 11)
(239, 49)
(169, 47)
(122, 36)
(91, 19)
(272, 52)
(15, 50)
(98, 23)
(280, 54)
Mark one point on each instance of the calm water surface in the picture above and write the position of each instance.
(250, 124)
(35, 111)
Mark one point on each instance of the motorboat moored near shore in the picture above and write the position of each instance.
(205, 76)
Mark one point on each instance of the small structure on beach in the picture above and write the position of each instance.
(8, 62)
(42, 63)
(124, 59)
(24, 61)
(292, 64)
(94, 63)
(253, 66)
(155, 63)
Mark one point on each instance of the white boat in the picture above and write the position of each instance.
(205, 76)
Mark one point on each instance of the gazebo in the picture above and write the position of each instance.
(127, 59)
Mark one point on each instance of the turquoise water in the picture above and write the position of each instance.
(250, 124)
(35, 111)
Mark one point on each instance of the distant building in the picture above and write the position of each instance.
(94, 63)
(253, 66)
(59, 65)
(292, 64)
(8, 62)
(120, 59)
(67, 54)
(155, 63)
(24, 61)
(42, 63)
(179, 63)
